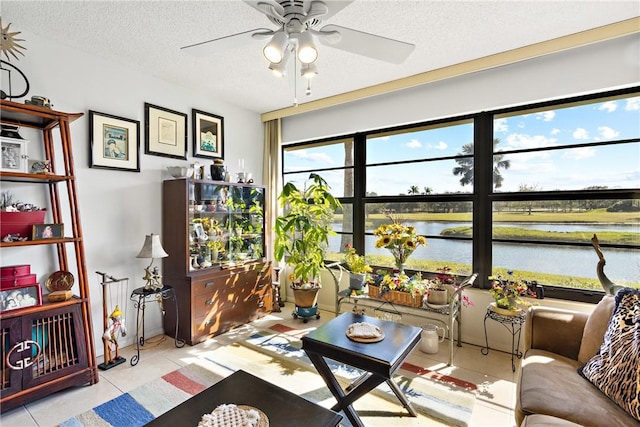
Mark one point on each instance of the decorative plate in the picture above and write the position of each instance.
(60, 281)
(378, 338)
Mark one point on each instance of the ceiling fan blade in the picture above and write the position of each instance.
(215, 46)
(271, 8)
(361, 43)
(333, 6)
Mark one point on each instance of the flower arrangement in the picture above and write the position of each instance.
(401, 240)
(508, 292)
(355, 263)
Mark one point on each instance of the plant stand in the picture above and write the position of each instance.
(513, 323)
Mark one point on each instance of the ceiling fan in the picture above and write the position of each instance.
(298, 23)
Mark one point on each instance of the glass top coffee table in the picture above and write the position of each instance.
(282, 407)
(380, 360)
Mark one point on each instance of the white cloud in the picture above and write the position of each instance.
(439, 146)
(546, 116)
(580, 133)
(580, 153)
(633, 104)
(554, 131)
(519, 140)
(414, 143)
(609, 106)
(313, 157)
(607, 133)
(500, 125)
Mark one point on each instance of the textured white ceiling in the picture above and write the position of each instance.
(149, 34)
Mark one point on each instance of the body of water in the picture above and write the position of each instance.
(622, 265)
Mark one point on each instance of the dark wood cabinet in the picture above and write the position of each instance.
(49, 347)
(214, 235)
(44, 351)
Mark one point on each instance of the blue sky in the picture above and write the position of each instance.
(566, 169)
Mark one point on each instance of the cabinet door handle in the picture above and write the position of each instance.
(209, 301)
(209, 284)
(25, 361)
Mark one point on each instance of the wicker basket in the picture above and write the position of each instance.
(396, 297)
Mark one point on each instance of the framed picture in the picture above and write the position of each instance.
(20, 297)
(115, 142)
(199, 233)
(208, 135)
(166, 132)
(48, 231)
(15, 157)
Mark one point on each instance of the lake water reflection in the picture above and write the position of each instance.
(622, 265)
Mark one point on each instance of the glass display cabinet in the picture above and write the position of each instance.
(213, 232)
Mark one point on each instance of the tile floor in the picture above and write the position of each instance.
(492, 373)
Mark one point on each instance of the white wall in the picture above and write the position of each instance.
(593, 68)
(118, 208)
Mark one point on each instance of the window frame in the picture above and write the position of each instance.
(483, 195)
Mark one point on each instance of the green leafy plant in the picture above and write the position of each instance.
(302, 233)
(355, 263)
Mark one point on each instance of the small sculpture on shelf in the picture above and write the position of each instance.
(115, 329)
(153, 278)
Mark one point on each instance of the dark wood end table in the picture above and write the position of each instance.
(282, 407)
(380, 360)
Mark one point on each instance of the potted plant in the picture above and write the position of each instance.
(357, 267)
(441, 287)
(302, 232)
(507, 294)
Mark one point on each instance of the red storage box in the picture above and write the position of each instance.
(15, 270)
(20, 223)
(12, 282)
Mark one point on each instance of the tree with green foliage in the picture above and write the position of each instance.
(465, 165)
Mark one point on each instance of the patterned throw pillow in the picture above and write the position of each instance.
(615, 369)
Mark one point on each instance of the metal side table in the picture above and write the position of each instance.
(513, 324)
(139, 297)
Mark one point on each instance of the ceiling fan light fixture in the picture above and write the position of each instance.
(307, 52)
(275, 50)
(308, 71)
(280, 69)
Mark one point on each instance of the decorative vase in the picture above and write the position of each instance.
(356, 280)
(400, 267)
(437, 296)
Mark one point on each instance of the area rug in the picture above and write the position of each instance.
(152, 399)
(435, 395)
(274, 354)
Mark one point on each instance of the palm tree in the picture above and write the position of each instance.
(414, 190)
(465, 168)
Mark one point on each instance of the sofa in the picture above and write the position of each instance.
(552, 389)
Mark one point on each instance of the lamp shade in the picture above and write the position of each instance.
(152, 247)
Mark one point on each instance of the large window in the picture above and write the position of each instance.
(522, 189)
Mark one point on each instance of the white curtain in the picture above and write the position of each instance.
(271, 178)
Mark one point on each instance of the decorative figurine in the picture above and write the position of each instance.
(42, 166)
(153, 278)
(110, 336)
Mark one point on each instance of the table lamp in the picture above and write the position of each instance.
(152, 248)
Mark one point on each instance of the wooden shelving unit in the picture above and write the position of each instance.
(63, 354)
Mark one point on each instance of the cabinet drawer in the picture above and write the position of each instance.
(206, 286)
